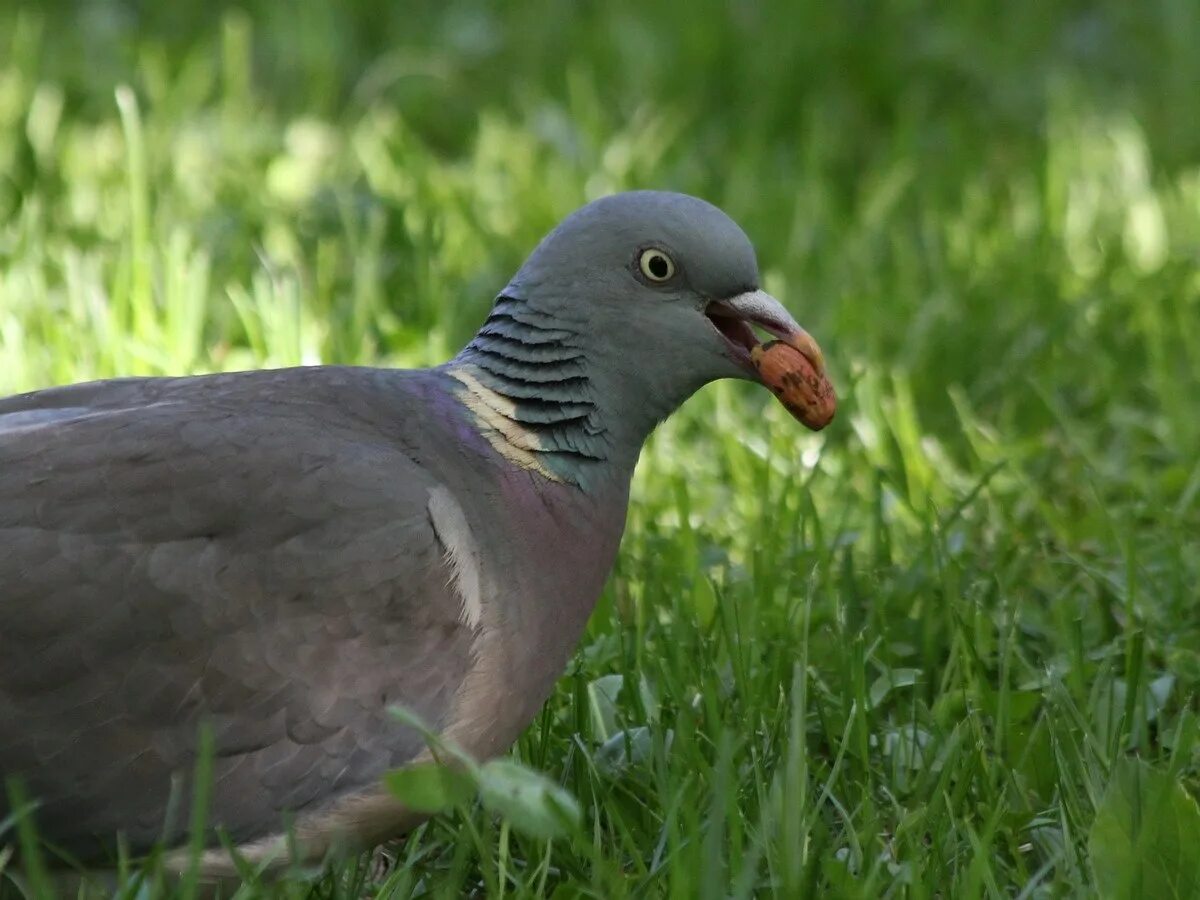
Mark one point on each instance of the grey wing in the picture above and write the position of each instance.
(275, 575)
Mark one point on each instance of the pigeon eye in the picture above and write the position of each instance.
(656, 265)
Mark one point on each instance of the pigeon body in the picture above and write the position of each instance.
(284, 555)
(152, 578)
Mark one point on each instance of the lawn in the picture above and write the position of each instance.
(950, 646)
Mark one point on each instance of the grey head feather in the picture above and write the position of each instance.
(592, 352)
(590, 247)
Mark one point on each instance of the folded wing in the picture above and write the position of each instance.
(245, 552)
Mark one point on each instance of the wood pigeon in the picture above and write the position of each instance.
(285, 555)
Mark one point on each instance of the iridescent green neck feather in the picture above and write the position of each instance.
(525, 379)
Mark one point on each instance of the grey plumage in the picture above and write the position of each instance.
(149, 575)
(282, 555)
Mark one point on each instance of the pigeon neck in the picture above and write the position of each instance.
(525, 378)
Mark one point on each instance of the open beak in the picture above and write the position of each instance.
(797, 378)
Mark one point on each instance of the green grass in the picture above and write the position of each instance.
(902, 658)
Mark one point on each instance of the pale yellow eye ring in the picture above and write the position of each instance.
(656, 265)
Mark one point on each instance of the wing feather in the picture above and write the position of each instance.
(248, 553)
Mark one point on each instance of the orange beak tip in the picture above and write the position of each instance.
(809, 348)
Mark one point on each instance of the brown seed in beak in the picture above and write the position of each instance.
(800, 387)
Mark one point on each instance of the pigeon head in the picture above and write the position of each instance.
(623, 311)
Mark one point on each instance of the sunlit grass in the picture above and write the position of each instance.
(899, 658)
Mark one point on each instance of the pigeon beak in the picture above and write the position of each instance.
(797, 378)
(733, 317)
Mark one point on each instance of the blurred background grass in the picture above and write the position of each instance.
(988, 213)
